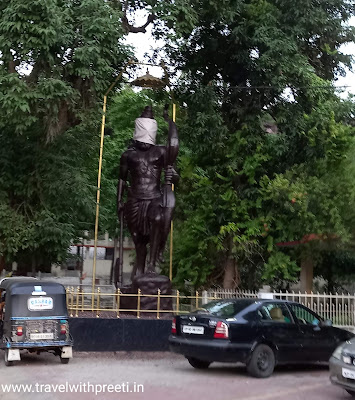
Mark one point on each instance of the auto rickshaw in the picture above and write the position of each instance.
(33, 317)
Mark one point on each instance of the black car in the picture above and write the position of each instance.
(342, 367)
(258, 333)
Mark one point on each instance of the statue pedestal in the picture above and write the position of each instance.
(148, 284)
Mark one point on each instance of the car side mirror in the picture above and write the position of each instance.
(316, 325)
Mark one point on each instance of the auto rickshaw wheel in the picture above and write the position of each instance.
(64, 360)
(7, 362)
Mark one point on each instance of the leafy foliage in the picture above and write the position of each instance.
(337, 268)
(267, 149)
(246, 65)
(57, 58)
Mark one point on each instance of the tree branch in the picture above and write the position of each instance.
(125, 7)
(136, 29)
(12, 64)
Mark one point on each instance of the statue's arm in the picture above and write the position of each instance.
(122, 181)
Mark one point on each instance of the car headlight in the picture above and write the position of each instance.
(337, 352)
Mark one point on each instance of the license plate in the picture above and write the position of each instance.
(197, 330)
(348, 373)
(35, 336)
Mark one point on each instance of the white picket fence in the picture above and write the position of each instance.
(232, 294)
(339, 308)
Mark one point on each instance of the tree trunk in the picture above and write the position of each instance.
(2, 263)
(231, 277)
(307, 274)
(33, 265)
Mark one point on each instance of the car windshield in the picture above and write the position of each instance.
(224, 308)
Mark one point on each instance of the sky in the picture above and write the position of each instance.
(145, 43)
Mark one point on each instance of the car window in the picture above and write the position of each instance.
(305, 316)
(275, 312)
(224, 308)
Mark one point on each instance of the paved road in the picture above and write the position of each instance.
(164, 376)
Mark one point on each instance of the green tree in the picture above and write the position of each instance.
(337, 269)
(57, 58)
(257, 87)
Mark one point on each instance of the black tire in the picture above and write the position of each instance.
(64, 360)
(262, 362)
(352, 392)
(199, 364)
(7, 362)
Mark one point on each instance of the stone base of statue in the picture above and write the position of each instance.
(128, 303)
(149, 284)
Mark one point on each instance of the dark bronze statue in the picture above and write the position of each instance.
(150, 204)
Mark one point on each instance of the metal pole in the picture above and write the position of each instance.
(174, 112)
(99, 177)
(172, 223)
(98, 198)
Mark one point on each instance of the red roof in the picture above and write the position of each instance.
(306, 238)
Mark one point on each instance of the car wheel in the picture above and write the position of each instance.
(64, 360)
(351, 392)
(262, 362)
(199, 364)
(7, 362)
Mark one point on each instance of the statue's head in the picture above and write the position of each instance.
(147, 112)
(146, 127)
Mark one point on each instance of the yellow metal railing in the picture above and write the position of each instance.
(81, 303)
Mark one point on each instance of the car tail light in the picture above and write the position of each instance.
(19, 331)
(221, 331)
(63, 329)
(173, 327)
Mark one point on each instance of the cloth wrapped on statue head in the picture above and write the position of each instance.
(145, 130)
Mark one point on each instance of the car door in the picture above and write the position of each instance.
(279, 328)
(319, 340)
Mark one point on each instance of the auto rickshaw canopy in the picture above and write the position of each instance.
(31, 298)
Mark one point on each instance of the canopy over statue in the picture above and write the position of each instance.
(150, 204)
